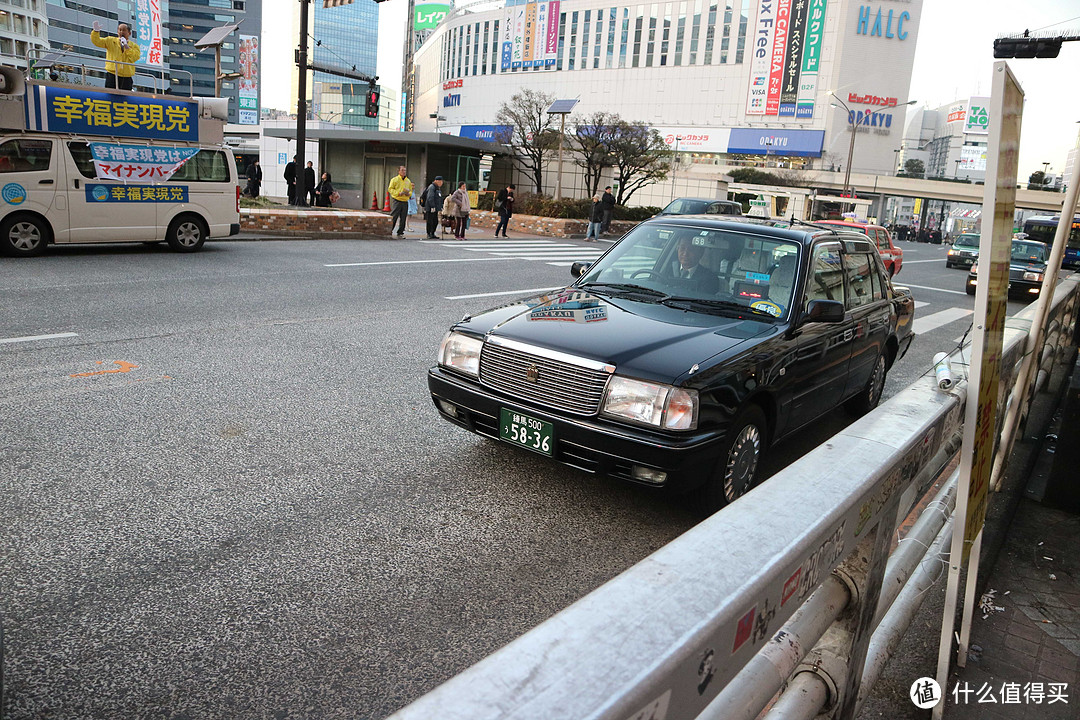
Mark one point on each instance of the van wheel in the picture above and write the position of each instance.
(23, 236)
(187, 233)
(740, 454)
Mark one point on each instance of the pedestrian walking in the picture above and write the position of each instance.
(432, 202)
(121, 53)
(596, 219)
(461, 211)
(324, 193)
(254, 178)
(400, 189)
(504, 204)
(290, 180)
(608, 201)
(309, 184)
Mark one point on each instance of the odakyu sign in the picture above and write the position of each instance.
(799, 143)
(881, 22)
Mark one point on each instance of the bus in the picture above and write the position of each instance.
(1044, 227)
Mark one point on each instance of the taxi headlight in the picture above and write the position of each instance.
(649, 403)
(952, 251)
(1033, 276)
(461, 352)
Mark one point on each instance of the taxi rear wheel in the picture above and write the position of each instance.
(23, 236)
(187, 233)
(869, 397)
(740, 455)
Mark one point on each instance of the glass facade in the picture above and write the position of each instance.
(347, 37)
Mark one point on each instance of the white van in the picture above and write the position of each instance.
(162, 172)
(50, 193)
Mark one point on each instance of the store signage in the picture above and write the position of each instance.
(776, 61)
(868, 118)
(428, 15)
(759, 62)
(882, 24)
(789, 90)
(786, 52)
(451, 100)
(490, 133)
(977, 121)
(248, 92)
(858, 99)
(451, 84)
(815, 27)
(695, 139)
(973, 158)
(803, 143)
(956, 113)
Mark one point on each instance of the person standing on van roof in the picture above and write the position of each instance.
(120, 56)
(309, 183)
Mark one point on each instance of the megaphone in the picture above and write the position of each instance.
(12, 81)
(214, 108)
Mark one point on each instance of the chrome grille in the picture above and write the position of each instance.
(559, 384)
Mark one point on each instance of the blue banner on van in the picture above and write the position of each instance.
(802, 143)
(97, 112)
(96, 193)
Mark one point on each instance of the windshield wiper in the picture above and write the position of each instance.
(625, 287)
(726, 305)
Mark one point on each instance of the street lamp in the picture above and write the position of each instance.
(853, 119)
(675, 161)
(437, 118)
(896, 161)
(956, 171)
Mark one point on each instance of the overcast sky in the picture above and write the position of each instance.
(953, 61)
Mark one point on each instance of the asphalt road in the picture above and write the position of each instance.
(227, 494)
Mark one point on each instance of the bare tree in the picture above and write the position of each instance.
(640, 157)
(591, 140)
(530, 131)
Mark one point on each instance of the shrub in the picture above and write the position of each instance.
(573, 208)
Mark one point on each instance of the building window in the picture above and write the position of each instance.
(624, 37)
(680, 32)
(710, 33)
(20, 24)
(635, 58)
(612, 15)
(597, 38)
(665, 37)
(484, 62)
(694, 33)
(652, 38)
(585, 41)
(741, 47)
(725, 38)
(573, 39)
(476, 46)
(562, 41)
(495, 46)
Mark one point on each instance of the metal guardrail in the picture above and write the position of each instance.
(42, 61)
(698, 627)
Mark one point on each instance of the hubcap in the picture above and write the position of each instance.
(24, 236)
(742, 461)
(188, 234)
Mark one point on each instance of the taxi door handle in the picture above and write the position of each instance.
(47, 181)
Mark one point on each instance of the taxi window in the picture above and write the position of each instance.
(859, 268)
(25, 155)
(826, 274)
(882, 238)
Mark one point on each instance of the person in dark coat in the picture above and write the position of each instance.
(324, 191)
(432, 200)
(608, 201)
(309, 184)
(290, 180)
(504, 203)
(254, 178)
(596, 218)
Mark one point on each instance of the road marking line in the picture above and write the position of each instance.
(30, 338)
(920, 303)
(542, 253)
(494, 294)
(926, 287)
(912, 262)
(451, 241)
(123, 367)
(932, 322)
(412, 262)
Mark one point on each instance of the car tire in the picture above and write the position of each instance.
(23, 236)
(740, 456)
(970, 290)
(948, 265)
(186, 233)
(870, 395)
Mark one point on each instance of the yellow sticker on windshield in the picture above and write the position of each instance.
(769, 307)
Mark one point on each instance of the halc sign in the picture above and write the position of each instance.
(882, 24)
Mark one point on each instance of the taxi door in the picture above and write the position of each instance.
(106, 210)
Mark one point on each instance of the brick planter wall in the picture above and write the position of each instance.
(316, 223)
(376, 225)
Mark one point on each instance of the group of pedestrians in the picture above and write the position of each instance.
(451, 210)
(603, 208)
(303, 189)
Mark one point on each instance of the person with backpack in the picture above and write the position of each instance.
(431, 202)
(504, 205)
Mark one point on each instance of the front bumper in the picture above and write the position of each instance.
(586, 443)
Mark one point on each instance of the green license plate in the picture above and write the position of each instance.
(527, 432)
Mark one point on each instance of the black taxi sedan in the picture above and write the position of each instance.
(681, 354)
(1027, 267)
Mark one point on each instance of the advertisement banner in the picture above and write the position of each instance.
(248, 96)
(811, 59)
(519, 37)
(977, 120)
(802, 143)
(138, 162)
(695, 139)
(956, 114)
(759, 61)
(552, 49)
(96, 193)
(148, 31)
(540, 35)
(528, 39)
(776, 59)
(427, 15)
(973, 158)
(506, 53)
(95, 112)
(789, 91)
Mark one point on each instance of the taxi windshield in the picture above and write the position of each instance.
(724, 270)
(967, 241)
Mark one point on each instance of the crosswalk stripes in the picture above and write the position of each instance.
(549, 251)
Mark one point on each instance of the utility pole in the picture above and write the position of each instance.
(301, 107)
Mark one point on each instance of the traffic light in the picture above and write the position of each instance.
(1027, 47)
(372, 109)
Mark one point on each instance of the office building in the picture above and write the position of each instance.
(23, 28)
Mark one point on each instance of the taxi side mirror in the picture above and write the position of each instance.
(826, 311)
(579, 268)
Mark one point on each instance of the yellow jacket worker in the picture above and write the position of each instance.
(120, 55)
(400, 190)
